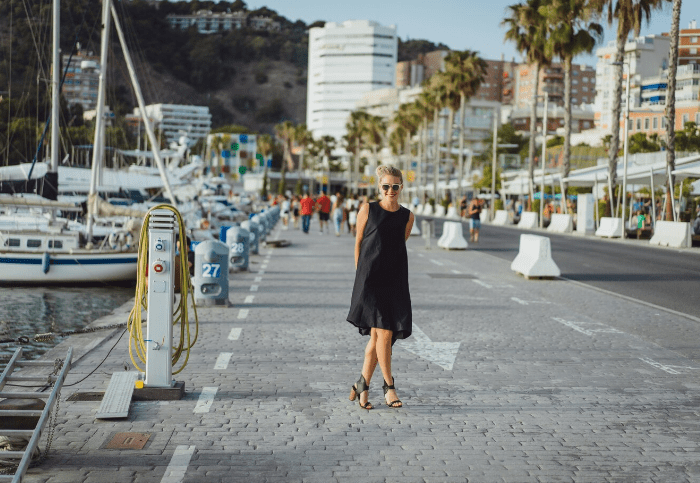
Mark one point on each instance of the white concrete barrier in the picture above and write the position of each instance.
(439, 210)
(415, 231)
(427, 210)
(501, 218)
(609, 227)
(418, 210)
(535, 258)
(452, 213)
(585, 222)
(452, 237)
(561, 224)
(528, 220)
(672, 234)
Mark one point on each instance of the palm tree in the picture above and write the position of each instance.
(265, 146)
(630, 15)
(436, 95)
(424, 109)
(468, 71)
(302, 138)
(406, 122)
(285, 133)
(324, 147)
(374, 133)
(671, 107)
(570, 34)
(354, 138)
(528, 29)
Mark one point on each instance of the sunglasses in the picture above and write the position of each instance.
(395, 187)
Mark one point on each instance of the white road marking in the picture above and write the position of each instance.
(249, 299)
(242, 313)
(261, 272)
(222, 360)
(658, 365)
(263, 267)
(578, 327)
(483, 284)
(436, 262)
(421, 255)
(258, 279)
(253, 288)
(206, 398)
(235, 333)
(175, 472)
(456, 272)
(441, 353)
(523, 302)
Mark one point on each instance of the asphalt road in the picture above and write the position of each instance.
(665, 277)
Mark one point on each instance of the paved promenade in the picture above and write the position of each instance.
(504, 380)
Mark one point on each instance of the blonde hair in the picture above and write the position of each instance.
(386, 170)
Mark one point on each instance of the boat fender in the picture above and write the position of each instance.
(121, 239)
(128, 241)
(46, 262)
(113, 239)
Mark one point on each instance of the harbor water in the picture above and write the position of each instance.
(27, 311)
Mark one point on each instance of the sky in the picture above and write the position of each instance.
(459, 24)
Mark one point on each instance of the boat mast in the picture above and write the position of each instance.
(54, 87)
(155, 145)
(98, 145)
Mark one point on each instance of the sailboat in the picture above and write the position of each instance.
(42, 246)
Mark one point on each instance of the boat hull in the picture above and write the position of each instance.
(77, 267)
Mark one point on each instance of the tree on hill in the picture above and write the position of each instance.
(411, 49)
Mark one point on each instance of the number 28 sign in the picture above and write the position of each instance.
(211, 270)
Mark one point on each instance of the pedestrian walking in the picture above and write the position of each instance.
(323, 205)
(337, 211)
(295, 211)
(474, 213)
(463, 203)
(307, 209)
(285, 209)
(381, 303)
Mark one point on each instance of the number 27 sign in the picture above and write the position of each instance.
(211, 270)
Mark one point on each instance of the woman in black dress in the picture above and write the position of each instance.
(381, 303)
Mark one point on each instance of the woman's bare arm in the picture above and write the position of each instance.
(362, 216)
(409, 225)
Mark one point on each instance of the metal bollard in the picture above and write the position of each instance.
(210, 279)
(427, 227)
(252, 227)
(238, 240)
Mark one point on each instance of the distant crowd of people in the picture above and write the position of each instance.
(342, 211)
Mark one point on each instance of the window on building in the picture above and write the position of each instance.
(655, 123)
(685, 119)
(574, 82)
(646, 124)
(585, 79)
(693, 51)
(663, 122)
(55, 244)
(630, 125)
(12, 242)
(697, 118)
(584, 98)
(33, 243)
(585, 88)
(693, 40)
(639, 124)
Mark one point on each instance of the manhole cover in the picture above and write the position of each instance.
(128, 441)
(451, 275)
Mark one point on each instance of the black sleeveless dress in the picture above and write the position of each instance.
(380, 296)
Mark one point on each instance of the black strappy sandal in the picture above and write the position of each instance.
(387, 388)
(358, 388)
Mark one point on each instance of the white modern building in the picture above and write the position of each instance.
(345, 61)
(644, 57)
(176, 121)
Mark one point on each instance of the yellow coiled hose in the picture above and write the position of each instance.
(137, 344)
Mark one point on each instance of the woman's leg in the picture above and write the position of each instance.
(369, 364)
(384, 357)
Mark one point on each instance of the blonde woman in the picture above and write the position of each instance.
(381, 302)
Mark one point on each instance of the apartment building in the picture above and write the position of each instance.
(644, 57)
(497, 85)
(551, 80)
(176, 121)
(82, 79)
(689, 45)
(208, 22)
(346, 60)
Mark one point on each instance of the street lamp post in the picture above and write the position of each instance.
(493, 165)
(544, 153)
(626, 150)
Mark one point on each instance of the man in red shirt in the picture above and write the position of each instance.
(323, 204)
(307, 209)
